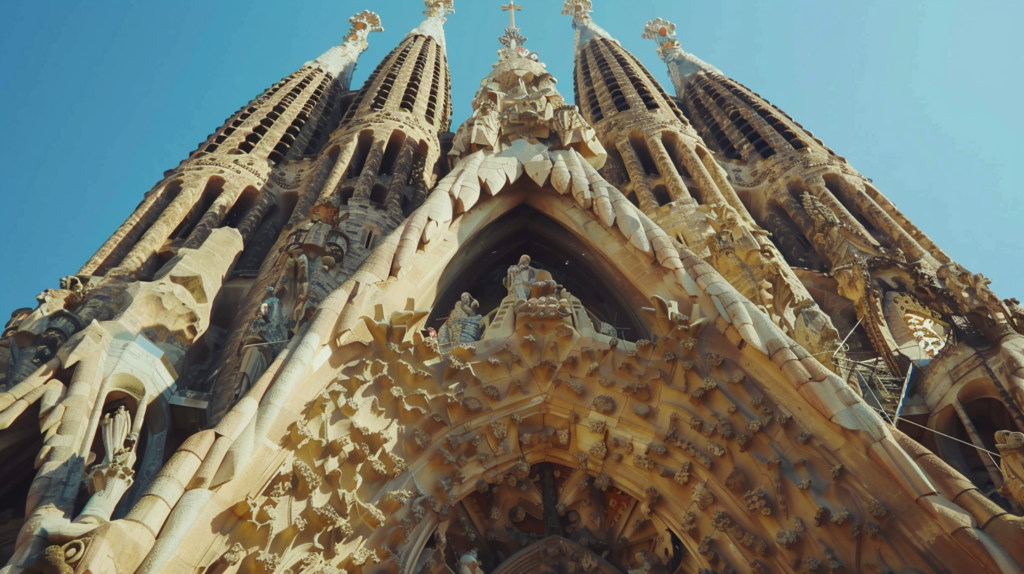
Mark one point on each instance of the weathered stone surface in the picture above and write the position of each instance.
(374, 352)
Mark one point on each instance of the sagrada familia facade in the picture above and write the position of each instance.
(627, 332)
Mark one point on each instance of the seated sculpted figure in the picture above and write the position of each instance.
(463, 323)
(525, 282)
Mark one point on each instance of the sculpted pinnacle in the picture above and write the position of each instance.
(436, 15)
(341, 60)
(681, 64)
(579, 10)
(439, 8)
(362, 25)
(663, 32)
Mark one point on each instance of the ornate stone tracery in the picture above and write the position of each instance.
(536, 429)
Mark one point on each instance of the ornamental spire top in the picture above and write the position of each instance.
(586, 29)
(436, 15)
(681, 64)
(513, 40)
(511, 8)
(579, 10)
(663, 32)
(340, 60)
(439, 9)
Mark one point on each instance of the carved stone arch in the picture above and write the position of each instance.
(482, 260)
(756, 455)
(555, 553)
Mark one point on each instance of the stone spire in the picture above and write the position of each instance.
(681, 64)
(340, 61)
(585, 27)
(436, 15)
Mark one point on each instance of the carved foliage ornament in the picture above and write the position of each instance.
(578, 9)
(363, 24)
(439, 8)
(663, 32)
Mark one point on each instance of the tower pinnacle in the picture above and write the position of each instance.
(513, 40)
(436, 15)
(681, 64)
(340, 60)
(586, 29)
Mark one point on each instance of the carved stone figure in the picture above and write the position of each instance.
(526, 282)
(974, 298)
(469, 564)
(462, 324)
(338, 432)
(1011, 446)
(109, 480)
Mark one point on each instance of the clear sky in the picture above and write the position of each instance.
(100, 98)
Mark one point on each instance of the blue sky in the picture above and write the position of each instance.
(100, 98)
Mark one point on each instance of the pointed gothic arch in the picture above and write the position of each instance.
(386, 432)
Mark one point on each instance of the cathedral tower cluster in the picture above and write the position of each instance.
(634, 332)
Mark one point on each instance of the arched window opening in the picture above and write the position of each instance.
(391, 152)
(639, 145)
(362, 151)
(791, 243)
(672, 144)
(986, 415)
(378, 194)
(241, 207)
(661, 195)
(171, 190)
(584, 274)
(345, 195)
(214, 187)
(839, 189)
(266, 234)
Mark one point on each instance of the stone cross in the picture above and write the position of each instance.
(511, 9)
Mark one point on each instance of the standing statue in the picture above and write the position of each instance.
(109, 480)
(463, 323)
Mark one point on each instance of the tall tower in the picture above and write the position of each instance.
(218, 183)
(663, 164)
(870, 268)
(574, 350)
(227, 182)
(372, 171)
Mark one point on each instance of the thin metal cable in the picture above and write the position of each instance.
(990, 453)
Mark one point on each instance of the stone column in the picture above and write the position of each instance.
(369, 176)
(638, 177)
(404, 165)
(171, 217)
(140, 220)
(676, 185)
(215, 215)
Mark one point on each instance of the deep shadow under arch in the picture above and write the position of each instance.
(482, 261)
